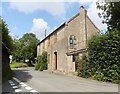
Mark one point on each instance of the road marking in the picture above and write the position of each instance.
(20, 84)
(23, 85)
(16, 80)
(15, 86)
(33, 91)
(28, 88)
(18, 90)
(10, 81)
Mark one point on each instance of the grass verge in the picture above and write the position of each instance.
(18, 65)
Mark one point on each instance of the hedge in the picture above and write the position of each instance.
(103, 61)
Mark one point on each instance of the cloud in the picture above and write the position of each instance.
(85, 1)
(57, 8)
(93, 14)
(38, 28)
(27, 7)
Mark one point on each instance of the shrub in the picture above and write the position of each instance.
(82, 67)
(41, 62)
(103, 61)
(104, 56)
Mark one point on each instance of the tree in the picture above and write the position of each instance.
(7, 43)
(25, 48)
(16, 53)
(110, 14)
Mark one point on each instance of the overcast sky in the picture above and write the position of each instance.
(37, 15)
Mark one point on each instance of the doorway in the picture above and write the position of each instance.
(55, 55)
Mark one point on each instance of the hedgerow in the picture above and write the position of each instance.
(103, 61)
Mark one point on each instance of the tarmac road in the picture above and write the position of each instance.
(29, 80)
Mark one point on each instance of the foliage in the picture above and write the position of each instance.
(103, 58)
(41, 62)
(25, 48)
(16, 53)
(82, 66)
(110, 14)
(18, 65)
(7, 41)
(6, 50)
(104, 55)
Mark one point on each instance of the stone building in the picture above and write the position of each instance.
(67, 41)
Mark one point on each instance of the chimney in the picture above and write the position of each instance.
(81, 7)
(82, 10)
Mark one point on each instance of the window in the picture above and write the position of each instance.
(75, 40)
(72, 41)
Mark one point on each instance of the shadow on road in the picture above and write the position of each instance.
(6, 87)
(22, 74)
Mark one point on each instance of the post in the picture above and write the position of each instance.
(45, 33)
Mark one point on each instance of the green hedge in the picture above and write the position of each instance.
(82, 66)
(41, 62)
(103, 62)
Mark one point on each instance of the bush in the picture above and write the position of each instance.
(104, 56)
(103, 61)
(82, 67)
(41, 62)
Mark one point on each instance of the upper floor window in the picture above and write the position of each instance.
(75, 40)
(72, 41)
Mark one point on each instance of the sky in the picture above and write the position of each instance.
(34, 16)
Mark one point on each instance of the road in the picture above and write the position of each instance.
(29, 80)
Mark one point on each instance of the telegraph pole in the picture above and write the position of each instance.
(45, 33)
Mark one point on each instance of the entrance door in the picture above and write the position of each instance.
(55, 54)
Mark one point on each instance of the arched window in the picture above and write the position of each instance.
(72, 41)
(75, 40)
